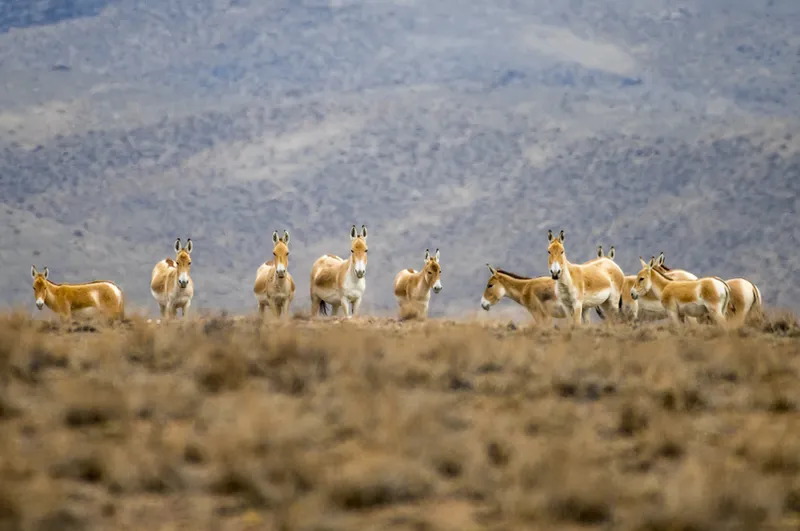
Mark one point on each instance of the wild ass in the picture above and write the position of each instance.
(612, 253)
(340, 282)
(708, 296)
(170, 283)
(98, 297)
(674, 274)
(537, 295)
(648, 307)
(745, 301)
(274, 285)
(412, 288)
(580, 287)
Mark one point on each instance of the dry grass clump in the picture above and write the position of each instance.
(234, 423)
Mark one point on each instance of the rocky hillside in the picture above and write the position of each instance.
(469, 126)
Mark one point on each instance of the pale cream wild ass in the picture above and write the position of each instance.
(171, 284)
(581, 287)
(340, 282)
(708, 296)
(412, 288)
(274, 286)
(98, 298)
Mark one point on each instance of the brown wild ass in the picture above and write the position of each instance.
(170, 283)
(99, 297)
(340, 282)
(708, 296)
(274, 285)
(580, 287)
(412, 289)
(537, 295)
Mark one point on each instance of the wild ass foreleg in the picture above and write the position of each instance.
(285, 308)
(577, 313)
(356, 306)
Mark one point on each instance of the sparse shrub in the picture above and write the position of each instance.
(369, 483)
(220, 368)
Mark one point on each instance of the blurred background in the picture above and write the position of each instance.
(471, 126)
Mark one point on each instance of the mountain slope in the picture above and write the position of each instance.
(474, 128)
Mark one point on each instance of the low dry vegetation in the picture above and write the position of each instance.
(224, 424)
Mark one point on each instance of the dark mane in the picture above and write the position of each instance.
(662, 275)
(665, 268)
(82, 283)
(513, 275)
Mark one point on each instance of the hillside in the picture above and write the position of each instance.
(469, 126)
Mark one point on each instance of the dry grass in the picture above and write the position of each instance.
(221, 423)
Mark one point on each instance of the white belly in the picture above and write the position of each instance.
(591, 300)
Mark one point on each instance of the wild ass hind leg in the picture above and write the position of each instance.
(586, 316)
(315, 304)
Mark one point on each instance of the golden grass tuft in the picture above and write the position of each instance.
(238, 423)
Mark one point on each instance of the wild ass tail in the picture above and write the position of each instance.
(728, 306)
(756, 297)
(323, 308)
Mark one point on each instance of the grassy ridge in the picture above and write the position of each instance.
(221, 423)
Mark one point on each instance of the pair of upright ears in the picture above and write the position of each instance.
(284, 239)
(356, 234)
(187, 248)
(550, 235)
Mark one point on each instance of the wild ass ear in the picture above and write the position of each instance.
(436, 255)
(599, 251)
(549, 235)
(188, 247)
(33, 271)
(178, 245)
(46, 272)
(492, 270)
(275, 237)
(652, 262)
(561, 235)
(427, 255)
(364, 231)
(644, 264)
(353, 233)
(612, 253)
(660, 259)
(286, 236)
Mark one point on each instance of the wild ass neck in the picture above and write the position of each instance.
(658, 282)
(513, 287)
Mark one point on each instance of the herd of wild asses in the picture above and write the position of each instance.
(571, 290)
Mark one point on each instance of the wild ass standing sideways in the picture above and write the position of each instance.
(708, 296)
(274, 285)
(340, 282)
(537, 295)
(99, 297)
(170, 283)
